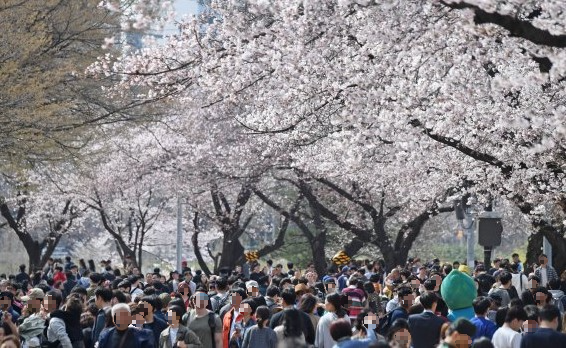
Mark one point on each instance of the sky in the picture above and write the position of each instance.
(182, 8)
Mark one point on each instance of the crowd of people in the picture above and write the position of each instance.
(259, 305)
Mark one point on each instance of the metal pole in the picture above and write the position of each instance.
(470, 252)
(179, 233)
(547, 249)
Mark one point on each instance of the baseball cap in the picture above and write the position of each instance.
(464, 326)
(34, 294)
(7, 294)
(251, 283)
(328, 279)
(345, 269)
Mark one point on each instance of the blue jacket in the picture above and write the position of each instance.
(143, 338)
(347, 342)
(484, 328)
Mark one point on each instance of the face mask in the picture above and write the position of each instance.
(371, 327)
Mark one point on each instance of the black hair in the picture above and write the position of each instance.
(56, 295)
(262, 313)
(120, 296)
(153, 300)
(105, 294)
(273, 291)
(176, 302)
(252, 303)
(240, 292)
(96, 278)
(337, 301)
(397, 325)
(516, 302)
(404, 291)
(505, 277)
(516, 313)
(483, 342)
(292, 323)
(178, 310)
(428, 298)
(481, 305)
(289, 296)
(500, 316)
(549, 313)
(532, 312)
(429, 284)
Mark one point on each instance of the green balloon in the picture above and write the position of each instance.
(458, 290)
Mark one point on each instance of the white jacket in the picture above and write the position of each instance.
(56, 331)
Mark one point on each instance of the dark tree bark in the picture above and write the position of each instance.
(517, 27)
(130, 230)
(315, 233)
(39, 251)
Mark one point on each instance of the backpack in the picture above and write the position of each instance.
(384, 324)
(212, 325)
(220, 302)
(557, 301)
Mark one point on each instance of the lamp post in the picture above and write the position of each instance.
(179, 233)
(465, 211)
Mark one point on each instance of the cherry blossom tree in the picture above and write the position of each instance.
(412, 99)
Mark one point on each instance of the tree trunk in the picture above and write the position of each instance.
(232, 251)
(534, 248)
(318, 244)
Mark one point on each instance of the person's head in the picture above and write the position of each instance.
(121, 316)
(399, 333)
(34, 300)
(481, 305)
(289, 297)
(436, 279)
(515, 317)
(542, 296)
(549, 316)
(515, 257)
(533, 282)
(138, 312)
(252, 288)
(248, 307)
(460, 333)
(237, 296)
(10, 341)
(483, 342)
(221, 284)
(52, 300)
(406, 297)
(273, 292)
(292, 323)
(505, 278)
(102, 296)
(174, 315)
(339, 329)
(429, 300)
(531, 324)
(308, 303)
(542, 259)
(150, 303)
(262, 314)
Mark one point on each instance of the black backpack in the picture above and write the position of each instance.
(384, 324)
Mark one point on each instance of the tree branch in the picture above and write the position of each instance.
(517, 27)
